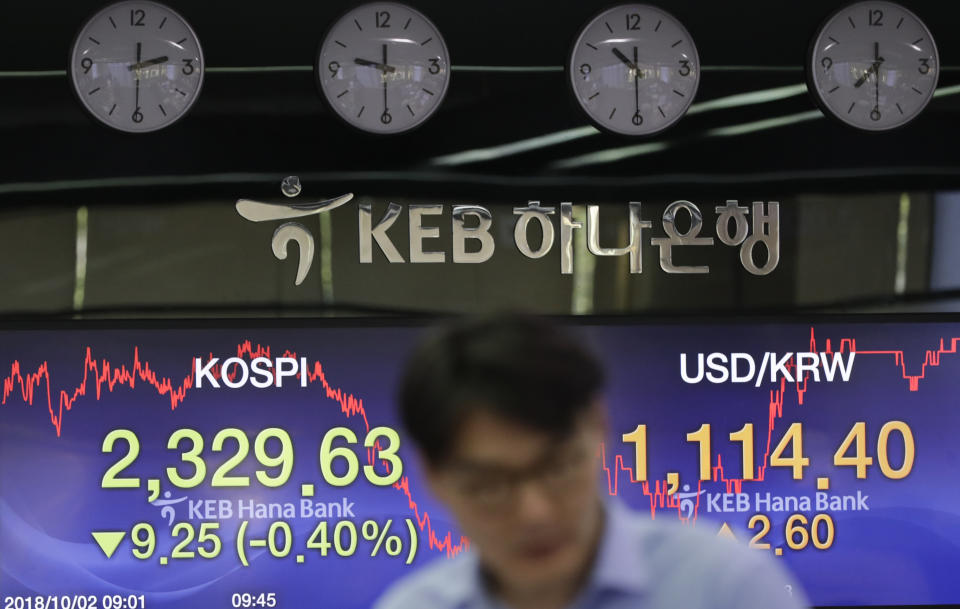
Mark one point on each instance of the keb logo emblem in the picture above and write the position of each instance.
(257, 211)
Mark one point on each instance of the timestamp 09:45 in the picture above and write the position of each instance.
(256, 600)
(76, 601)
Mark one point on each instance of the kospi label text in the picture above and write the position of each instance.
(261, 372)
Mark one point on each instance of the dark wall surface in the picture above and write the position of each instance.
(162, 230)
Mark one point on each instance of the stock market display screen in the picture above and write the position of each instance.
(256, 464)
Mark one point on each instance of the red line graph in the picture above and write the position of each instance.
(658, 497)
(103, 375)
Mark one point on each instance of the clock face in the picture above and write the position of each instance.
(634, 69)
(383, 67)
(874, 65)
(137, 66)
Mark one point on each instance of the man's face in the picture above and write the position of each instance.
(528, 501)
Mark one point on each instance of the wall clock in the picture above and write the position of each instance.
(634, 69)
(383, 68)
(137, 66)
(873, 65)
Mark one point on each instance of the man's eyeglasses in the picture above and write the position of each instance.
(496, 489)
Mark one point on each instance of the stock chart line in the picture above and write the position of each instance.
(100, 375)
(104, 375)
(658, 497)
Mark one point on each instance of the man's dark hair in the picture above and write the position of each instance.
(519, 367)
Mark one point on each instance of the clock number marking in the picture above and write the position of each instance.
(684, 67)
(612, 112)
(633, 21)
(164, 112)
(160, 27)
(188, 68)
(385, 118)
(875, 114)
(137, 116)
(585, 70)
(875, 17)
(826, 62)
(899, 23)
(334, 68)
(136, 19)
(434, 65)
(637, 118)
(112, 22)
(86, 63)
(924, 65)
(661, 112)
(382, 19)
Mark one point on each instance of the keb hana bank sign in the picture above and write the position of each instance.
(751, 228)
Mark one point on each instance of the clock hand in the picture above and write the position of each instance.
(875, 68)
(630, 64)
(877, 60)
(384, 80)
(373, 64)
(872, 69)
(863, 78)
(149, 62)
(636, 82)
(138, 80)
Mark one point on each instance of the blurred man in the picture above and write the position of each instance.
(508, 416)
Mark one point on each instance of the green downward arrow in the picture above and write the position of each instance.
(108, 540)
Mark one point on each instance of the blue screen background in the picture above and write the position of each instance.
(904, 550)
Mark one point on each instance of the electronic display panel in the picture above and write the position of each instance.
(262, 464)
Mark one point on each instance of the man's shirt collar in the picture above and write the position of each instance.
(618, 568)
(619, 565)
